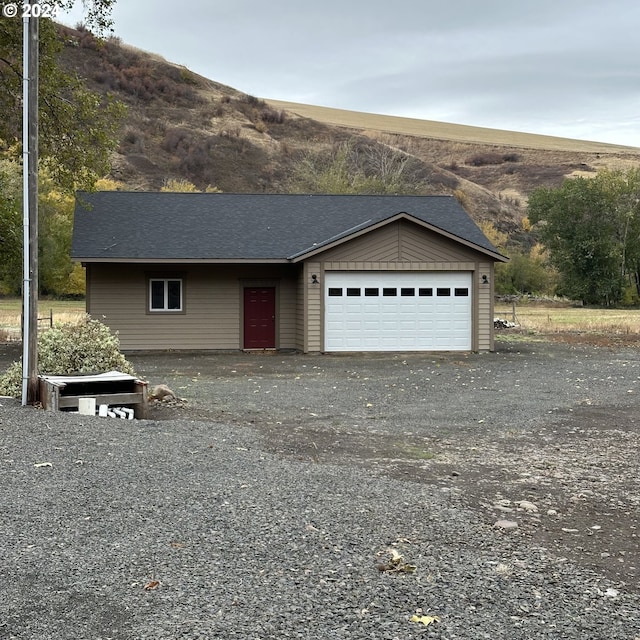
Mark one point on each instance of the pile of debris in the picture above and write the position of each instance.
(501, 323)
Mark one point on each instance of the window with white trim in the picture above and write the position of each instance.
(165, 294)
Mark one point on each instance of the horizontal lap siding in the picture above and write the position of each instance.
(118, 295)
(400, 242)
(313, 307)
(417, 243)
(287, 314)
(485, 308)
(403, 246)
(302, 285)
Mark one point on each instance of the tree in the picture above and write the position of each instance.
(78, 131)
(78, 128)
(591, 229)
(358, 167)
(10, 226)
(55, 210)
(525, 273)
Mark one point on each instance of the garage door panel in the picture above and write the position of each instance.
(391, 311)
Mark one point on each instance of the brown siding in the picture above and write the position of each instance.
(301, 302)
(400, 241)
(403, 246)
(314, 310)
(485, 307)
(212, 317)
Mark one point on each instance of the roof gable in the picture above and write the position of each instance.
(162, 226)
(370, 226)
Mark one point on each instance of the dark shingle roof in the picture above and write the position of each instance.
(219, 226)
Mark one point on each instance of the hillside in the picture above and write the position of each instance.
(187, 127)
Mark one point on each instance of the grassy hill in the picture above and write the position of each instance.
(445, 131)
(183, 126)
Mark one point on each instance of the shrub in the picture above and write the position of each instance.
(175, 138)
(273, 116)
(260, 126)
(187, 77)
(486, 158)
(70, 348)
(252, 100)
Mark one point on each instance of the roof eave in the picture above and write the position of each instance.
(152, 260)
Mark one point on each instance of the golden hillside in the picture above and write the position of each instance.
(446, 131)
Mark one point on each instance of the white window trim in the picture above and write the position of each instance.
(166, 295)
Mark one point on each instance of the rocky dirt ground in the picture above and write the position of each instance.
(543, 434)
(541, 438)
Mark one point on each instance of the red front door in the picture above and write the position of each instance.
(259, 318)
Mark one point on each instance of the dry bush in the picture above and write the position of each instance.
(176, 138)
(272, 116)
(196, 159)
(511, 157)
(252, 100)
(133, 139)
(232, 131)
(484, 158)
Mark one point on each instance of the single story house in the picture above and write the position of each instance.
(314, 273)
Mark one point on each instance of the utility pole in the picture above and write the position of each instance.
(30, 64)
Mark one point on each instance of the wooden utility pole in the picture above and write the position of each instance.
(30, 205)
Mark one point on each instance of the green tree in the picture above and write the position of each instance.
(55, 210)
(591, 229)
(10, 226)
(77, 133)
(525, 273)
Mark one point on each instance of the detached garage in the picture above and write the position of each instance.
(315, 273)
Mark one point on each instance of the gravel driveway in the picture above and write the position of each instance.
(275, 501)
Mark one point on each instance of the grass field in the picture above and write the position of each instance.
(58, 310)
(444, 130)
(559, 319)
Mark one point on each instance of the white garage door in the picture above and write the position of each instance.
(395, 311)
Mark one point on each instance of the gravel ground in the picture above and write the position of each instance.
(267, 502)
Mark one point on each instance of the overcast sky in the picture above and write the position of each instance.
(568, 68)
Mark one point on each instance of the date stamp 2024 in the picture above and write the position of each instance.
(28, 10)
